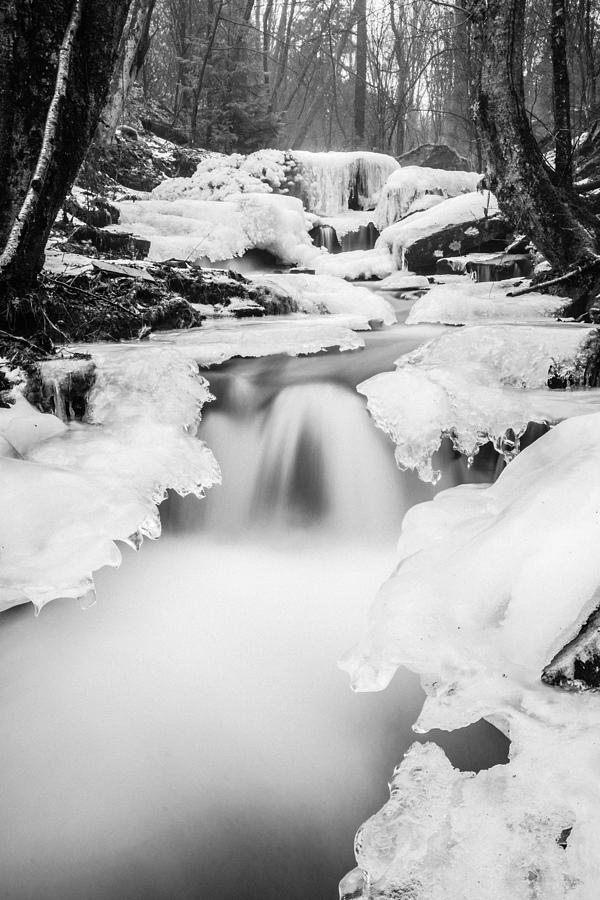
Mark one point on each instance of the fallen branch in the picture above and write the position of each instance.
(541, 286)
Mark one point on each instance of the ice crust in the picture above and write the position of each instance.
(356, 265)
(221, 230)
(75, 489)
(218, 177)
(477, 384)
(327, 293)
(469, 301)
(329, 179)
(474, 206)
(406, 187)
(492, 581)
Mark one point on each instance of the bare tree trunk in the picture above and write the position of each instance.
(360, 82)
(55, 72)
(132, 52)
(561, 98)
(556, 219)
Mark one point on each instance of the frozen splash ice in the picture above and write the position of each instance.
(334, 181)
(410, 184)
(71, 491)
(477, 384)
(492, 581)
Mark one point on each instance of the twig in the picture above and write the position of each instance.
(96, 298)
(21, 340)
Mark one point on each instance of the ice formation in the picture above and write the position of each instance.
(332, 181)
(492, 581)
(218, 177)
(468, 301)
(476, 384)
(326, 293)
(406, 187)
(203, 229)
(70, 491)
(356, 265)
(476, 206)
(294, 335)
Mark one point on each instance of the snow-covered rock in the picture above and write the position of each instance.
(407, 186)
(454, 226)
(218, 177)
(476, 384)
(327, 293)
(492, 581)
(218, 231)
(79, 488)
(469, 301)
(356, 265)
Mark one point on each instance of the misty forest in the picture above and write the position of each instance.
(300, 299)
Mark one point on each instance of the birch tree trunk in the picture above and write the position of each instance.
(56, 61)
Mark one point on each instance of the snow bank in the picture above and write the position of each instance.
(492, 582)
(72, 491)
(330, 180)
(218, 231)
(473, 207)
(356, 265)
(218, 177)
(326, 293)
(406, 186)
(459, 304)
(477, 384)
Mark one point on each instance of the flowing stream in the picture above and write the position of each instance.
(190, 735)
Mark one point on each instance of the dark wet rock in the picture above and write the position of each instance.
(577, 666)
(95, 211)
(436, 156)
(113, 242)
(478, 235)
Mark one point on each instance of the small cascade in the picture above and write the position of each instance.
(322, 463)
(363, 239)
(326, 236)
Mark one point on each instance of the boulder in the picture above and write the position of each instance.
(454, 240)
(436, 156)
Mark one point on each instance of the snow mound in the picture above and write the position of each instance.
(218, 177)
(406, 187)
(218, 231)
(460, 304)
(331, 180)
(356, 265)
(327, 293)
(472, 207)
(477, 384)
(74, 490)
(492, 581)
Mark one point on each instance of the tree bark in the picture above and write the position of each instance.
(133, 47)
(360, 82)
(57, 60)
(553, 216)
(560, 94)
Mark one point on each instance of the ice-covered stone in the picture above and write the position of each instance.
(477, 384)
(407, 186)
(492, 581)
(467, 301)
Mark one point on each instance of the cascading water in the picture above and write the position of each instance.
(190, 736)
